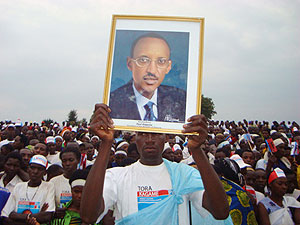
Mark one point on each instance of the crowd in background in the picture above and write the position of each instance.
(258, 164)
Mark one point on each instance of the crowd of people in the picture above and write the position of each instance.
(44, 168)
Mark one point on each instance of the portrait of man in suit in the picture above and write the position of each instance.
(144, 97)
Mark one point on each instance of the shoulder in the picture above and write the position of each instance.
(171, 90)
(182, 170)
(121, 97)
(58, 178)
(47, 184)
(291, 202)
(119, 171)
(266, 201)
(126, 88)
(117, 174)
(20, 185)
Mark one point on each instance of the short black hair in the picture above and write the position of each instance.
(242, 151)
(54, 168)
(229, 169)
(8, 146)
(78, 174)
(148, 35)
(72, 149)
(14, 155)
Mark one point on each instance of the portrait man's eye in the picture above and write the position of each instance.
(143, 60)
(161, 61)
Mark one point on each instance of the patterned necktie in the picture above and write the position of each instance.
(149, 112)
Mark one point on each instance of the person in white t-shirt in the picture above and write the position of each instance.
(132, 189)
(70, 158)
(53, 156)
(13, 173)
(33, 200)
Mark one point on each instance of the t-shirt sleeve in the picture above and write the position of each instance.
(50, 199)
(196, 199)
(10, 204)
(109, 193)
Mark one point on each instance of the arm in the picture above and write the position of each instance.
(263, 216)
(41, 217)
(214, 198)
(271, 162)
(92, 203)
(23, 175)
(297, 216)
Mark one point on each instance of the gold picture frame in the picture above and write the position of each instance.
(179, 94)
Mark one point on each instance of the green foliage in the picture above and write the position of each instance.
(72, 117)
(48, 121)
(83, 122)
(207, 107)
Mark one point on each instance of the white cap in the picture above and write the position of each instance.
(239, 161)
(11, 125)
(167, 145)
(176, 147)
(222, 144)
(50, 139)
(121, 152)
(278, 141)
(39, 159)
(122, 144)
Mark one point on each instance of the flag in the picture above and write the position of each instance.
(295, 148)
(272, 148)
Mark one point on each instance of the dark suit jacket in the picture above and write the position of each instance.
(171, 103)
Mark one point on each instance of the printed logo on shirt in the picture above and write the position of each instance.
(27, 207)
(148, 198)
(64, 198)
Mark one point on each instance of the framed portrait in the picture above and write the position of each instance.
(154, 72)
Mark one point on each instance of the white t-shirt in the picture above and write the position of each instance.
(259, 196)
(295, 194)
(54, 159)
(10, 186)
(132, 188)
(62, 190)
(24, 198)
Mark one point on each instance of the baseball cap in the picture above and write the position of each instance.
(40, 160)
(278, 141)
(239, 161)
(277, 172)
(50, 139)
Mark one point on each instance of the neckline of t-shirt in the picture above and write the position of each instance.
(146, 167)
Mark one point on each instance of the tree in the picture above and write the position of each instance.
(207, 107)
(48, 121)
(72, 117)
(83, 122)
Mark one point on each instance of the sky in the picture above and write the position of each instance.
(53, 55)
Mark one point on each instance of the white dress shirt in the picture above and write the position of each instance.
(141, 101)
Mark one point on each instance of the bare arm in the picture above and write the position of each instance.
(23, 175)
(214, 198)
(41, 217)
(92, 204)
(297, 216)
(263, 216)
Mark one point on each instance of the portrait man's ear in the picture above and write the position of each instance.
(129, 63)
(169, 67)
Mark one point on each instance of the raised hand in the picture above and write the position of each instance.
(102, 124)
(197, 124)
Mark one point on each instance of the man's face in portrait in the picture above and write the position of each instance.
(149, 65)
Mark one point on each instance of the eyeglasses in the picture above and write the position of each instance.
(144, 61)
